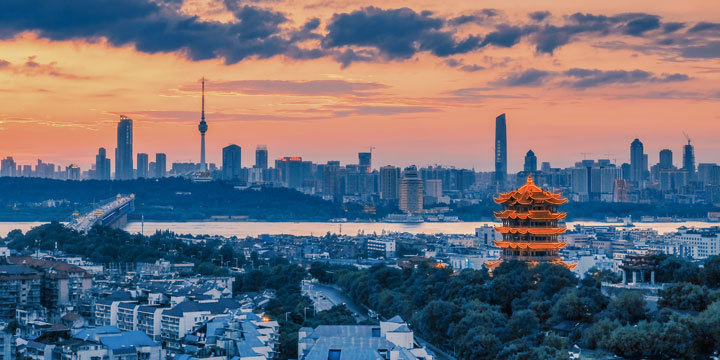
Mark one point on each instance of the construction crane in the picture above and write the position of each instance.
(687, 137)
(585, 154)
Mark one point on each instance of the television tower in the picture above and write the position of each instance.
(203, 128)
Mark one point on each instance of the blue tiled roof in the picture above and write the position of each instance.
(127, 339)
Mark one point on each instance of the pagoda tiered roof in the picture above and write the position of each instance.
(491, 265)
(530, 245)
(531, 230)
(531, 214)
(530, 194)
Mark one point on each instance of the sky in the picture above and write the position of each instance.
(418, 82)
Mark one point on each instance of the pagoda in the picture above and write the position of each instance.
(530, 226)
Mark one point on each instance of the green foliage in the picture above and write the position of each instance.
(106, 245)
(686, 296)
(628, 307)
(169, 199)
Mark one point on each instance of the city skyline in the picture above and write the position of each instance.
(636, 76)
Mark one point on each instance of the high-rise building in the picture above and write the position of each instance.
(231, 162)
(261, 157)
(638, 162)
(689, 160)
(124, 150)
(202, 127)
(411, 191)
(8, 167)
(72, 172)
(666, 159)
(142, 165)
(365, 162)
(530, 162)
(389, 182)
(291, 171)
(500, 149)
(530, 236)
(160, 165)
(102, 165)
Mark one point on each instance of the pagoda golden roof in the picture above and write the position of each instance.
(530, 245)
(532, 215)
(531, 230)
(529, 194)
(491, 265)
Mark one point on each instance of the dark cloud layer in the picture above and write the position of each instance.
(579, 78)
(368, 35)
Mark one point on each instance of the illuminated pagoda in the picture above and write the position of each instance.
(530, 226)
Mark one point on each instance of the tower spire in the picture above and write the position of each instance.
(203, 98)
(202, 127)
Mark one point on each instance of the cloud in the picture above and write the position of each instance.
(707, 51)
(539, 16)
(152, 28)
(301, 88)
(459, 64)
(369, 34)
(704, 26)
(588, 78)
(396, 33)
(529, 77)
(478, 17)
(579, 78)
(34, 68)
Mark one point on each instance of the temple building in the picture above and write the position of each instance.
(530, 226)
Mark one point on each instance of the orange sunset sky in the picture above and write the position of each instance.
(421, 81)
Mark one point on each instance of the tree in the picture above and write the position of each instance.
(685, 296)
(628, 307)
(710, 275)
(523, 323)
(434, 319)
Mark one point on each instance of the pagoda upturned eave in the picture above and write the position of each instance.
(530, 230)
(530, 245)
(532, 215)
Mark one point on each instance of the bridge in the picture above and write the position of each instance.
(112, 212)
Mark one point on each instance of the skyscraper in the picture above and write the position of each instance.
(365, 162)
(102, 165)
(411, 191)
(689, 160)
(202, 127)
(666, 161)
(231, 162)
(261, 157)
(142, 165)
(638, 164)
(530, 162)
(160, 165)
(389, 177)
(500, 149)
(124, 149)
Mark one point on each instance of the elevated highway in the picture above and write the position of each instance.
(112, 212)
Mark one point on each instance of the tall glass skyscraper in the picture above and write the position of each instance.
(666, 161)
(530, 162)
(124, 149)
(231, 162)
(689, 159)
(102, 165)
(638, 164)
(500, 149)
(160, 165)
(365, 162)
(261, 157)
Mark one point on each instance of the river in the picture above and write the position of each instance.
(244, 229)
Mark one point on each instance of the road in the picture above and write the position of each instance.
(337, 297)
